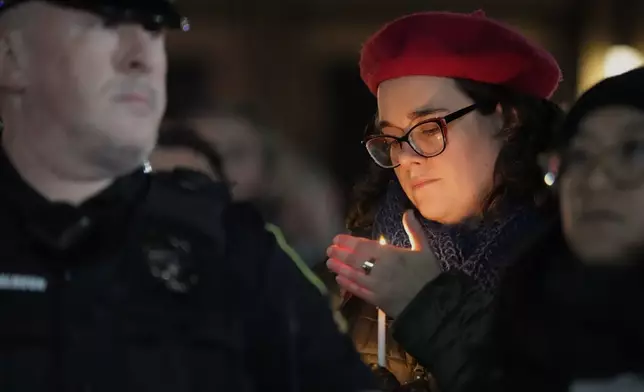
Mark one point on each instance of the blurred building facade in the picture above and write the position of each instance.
(296, 60)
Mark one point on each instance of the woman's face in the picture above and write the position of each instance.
(602, 186)
(453, 185)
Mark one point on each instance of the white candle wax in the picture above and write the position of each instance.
(382, 339)
(382, 326)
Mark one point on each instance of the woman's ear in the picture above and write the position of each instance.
(509, 117)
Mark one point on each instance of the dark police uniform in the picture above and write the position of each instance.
(159, 283)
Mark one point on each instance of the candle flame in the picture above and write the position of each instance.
(382, 240)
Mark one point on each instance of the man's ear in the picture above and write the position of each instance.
(12, 62)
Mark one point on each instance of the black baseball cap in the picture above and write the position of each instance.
(152, 14)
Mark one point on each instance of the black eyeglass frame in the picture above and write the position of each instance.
(442, 125)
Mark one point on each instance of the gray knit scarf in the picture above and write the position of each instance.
(480, 249)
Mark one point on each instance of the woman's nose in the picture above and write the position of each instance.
(408, 156)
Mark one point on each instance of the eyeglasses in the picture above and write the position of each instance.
(623, 164)
(428, 139)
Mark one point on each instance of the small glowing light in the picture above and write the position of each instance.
(185, 24)
(147, 167)
(620, 59)
(549, 178)
(382, 240)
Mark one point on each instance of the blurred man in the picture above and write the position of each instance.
(115, 280)
(182, 148)
(288, 187)
(248, 163)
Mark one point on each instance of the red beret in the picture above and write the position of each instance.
(467, 46)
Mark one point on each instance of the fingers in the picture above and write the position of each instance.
(349, 241)
(357, 275)
(353, 250)
(352, 258)
(414, 231)
(355, 289)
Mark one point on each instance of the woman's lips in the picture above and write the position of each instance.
(417, 184)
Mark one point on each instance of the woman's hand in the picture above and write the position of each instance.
(397, 275)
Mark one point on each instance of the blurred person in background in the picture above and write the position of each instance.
(112, 279)
(569, 315)
(182, 148)
(179, 145)
(463, 114)
(309, 206)
(260, 165)
(247, 160)
(263, 168)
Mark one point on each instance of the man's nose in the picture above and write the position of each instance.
(595, 178)
(137, 49)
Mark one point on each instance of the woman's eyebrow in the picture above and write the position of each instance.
(413, 115)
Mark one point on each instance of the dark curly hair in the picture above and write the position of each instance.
(527, 133)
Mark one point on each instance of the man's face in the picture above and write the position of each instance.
(102, 86)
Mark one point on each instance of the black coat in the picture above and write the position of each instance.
(471, 339)
(553, 322)
(558, 321)
(158, 284)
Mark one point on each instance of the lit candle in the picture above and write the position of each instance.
(382, 328)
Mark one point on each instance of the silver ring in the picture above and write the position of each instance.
(368, 265)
